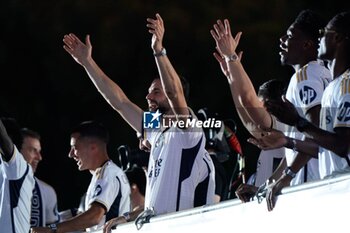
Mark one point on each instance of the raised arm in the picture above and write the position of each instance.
(243, 113)
(113, 94)
(6, 144)
(170, 80)
(242, 89)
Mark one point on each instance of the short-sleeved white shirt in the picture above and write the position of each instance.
(305, 91)
(44, 205)
(335, 113)
(110, 187)
(180, 171)
(17, 183)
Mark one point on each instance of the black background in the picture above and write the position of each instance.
(44, 89)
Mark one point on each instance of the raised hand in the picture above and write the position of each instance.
(156, 28)
(225, 43)
(77, 49)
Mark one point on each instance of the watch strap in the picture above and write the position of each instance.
(289, 172)
(161, 53)
(231, 58)
(126, 215)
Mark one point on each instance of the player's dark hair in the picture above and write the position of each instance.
(25, 132)
(272, 89)
(309, 22)
(92, 129)
(341, 24)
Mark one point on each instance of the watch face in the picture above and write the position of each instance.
(233, 57)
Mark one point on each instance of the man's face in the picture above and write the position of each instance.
(327, 47)
(156, 98)
(31, 149)
(292, 46)
(80, 151)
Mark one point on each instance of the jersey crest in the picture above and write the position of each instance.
(98, 191)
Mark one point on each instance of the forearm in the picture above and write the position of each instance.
(114, 95)
(242, 87)
(171, 84)
(279, 170)
(80, 222)
(307, 148)
(299, 162)
(6, 144)
(338, 143)
(134, 214)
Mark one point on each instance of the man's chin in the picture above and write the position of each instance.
(151, 109)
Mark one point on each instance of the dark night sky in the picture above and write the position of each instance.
(44, 89)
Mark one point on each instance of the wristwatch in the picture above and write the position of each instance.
(126, 215)
(161, 53)
(53, 227)
(232, 57)
(289, 172)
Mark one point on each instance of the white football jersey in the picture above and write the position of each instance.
(180, 172)
(17, 183)
(305, 91)
(110, 187)
(335, 113)
(44, 205)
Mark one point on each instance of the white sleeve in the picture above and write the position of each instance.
(310, 87)
(16, 167)
(342, 118)
(106, 190)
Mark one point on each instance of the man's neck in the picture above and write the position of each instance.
(339, 66)
(297, 67)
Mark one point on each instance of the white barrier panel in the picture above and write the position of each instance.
(322, 206)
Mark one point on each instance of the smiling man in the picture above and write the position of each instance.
(180, 171)
(108, 195)
(44, 201)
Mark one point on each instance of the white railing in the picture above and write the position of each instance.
(322, 206)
